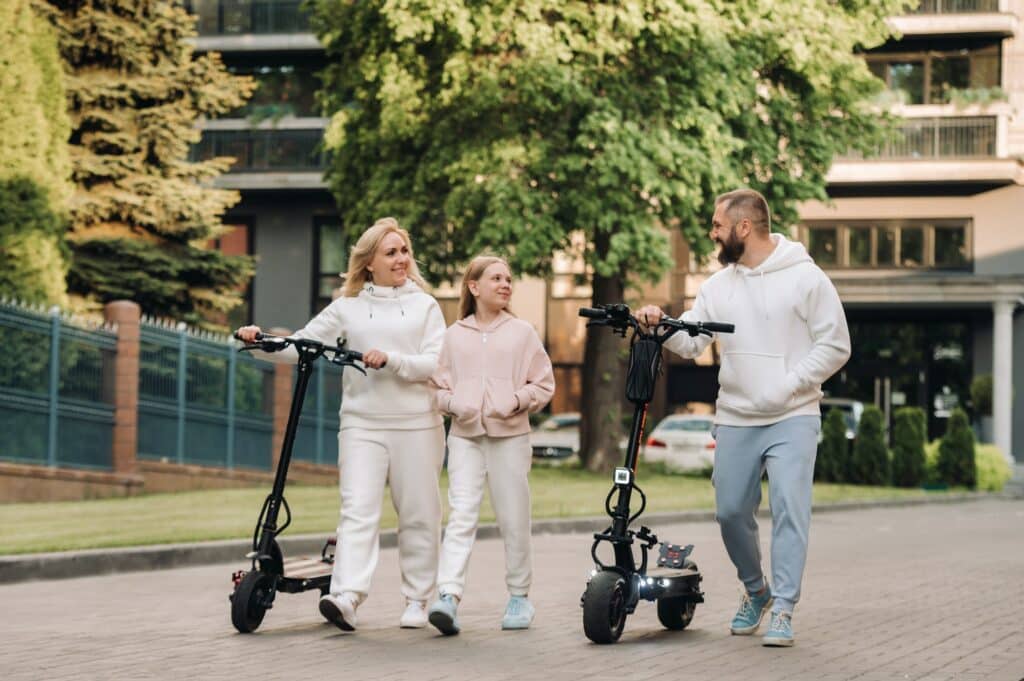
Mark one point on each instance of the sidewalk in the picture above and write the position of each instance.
(62, 565)
(930, 592)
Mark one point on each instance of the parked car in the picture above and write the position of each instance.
(557, 439)
(683, 442)
(851, 409)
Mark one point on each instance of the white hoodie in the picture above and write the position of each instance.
(407, 324)
(790, 336)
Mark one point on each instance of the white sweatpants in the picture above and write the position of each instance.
(505, 464)
(409, 461)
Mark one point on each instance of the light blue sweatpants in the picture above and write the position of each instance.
(786, 450)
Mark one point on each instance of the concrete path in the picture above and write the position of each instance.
(921, 592)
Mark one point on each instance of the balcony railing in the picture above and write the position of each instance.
(956, 7)
(264, 150)
(233, 17)
(939, 138)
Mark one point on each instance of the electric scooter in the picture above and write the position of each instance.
(614, 590)
(255, 589)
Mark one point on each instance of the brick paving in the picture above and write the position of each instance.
(927, 592)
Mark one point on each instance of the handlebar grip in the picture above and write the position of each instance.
(259, 336)
(592, 313)
(719, 327)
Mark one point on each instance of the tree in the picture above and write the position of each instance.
(833, 450)
(870, 463)
(517, 126)
(141, 214)
(909, 434)
(34, 161)
(956, 464)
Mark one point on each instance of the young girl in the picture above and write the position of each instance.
(391, 432)
(492, 372)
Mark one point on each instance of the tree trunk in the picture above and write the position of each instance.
(604, 380)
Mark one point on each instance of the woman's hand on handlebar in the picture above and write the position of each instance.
(247, 333)
(649, 315)
(375, 359)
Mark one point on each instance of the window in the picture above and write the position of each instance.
(330, 260)
(905, 244)
(932, 76)
(281, 90)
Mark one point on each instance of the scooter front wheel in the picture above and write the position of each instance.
(249, 601)
(604, 607)
(675, 613)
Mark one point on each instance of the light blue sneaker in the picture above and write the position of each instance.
(752, 609)
(780, 630)
(518, 613)
(442, 615)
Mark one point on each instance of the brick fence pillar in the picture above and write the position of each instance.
(281, 402)
(126, 315)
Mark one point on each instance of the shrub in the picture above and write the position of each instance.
(870, 462)
(981, 394)
(993, 470)
(956, 465)
(833, 450)
(909, 434)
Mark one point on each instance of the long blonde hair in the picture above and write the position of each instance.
(361, 255)
(475, 270)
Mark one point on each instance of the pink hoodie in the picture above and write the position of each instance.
(490, 379)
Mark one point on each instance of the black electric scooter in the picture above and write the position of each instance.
(255, 590)
(613, 591)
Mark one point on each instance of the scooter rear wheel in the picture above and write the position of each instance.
(675, 613)
(248, 602)
(604, 607)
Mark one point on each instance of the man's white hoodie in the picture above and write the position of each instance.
(407, 324)
(791, 336)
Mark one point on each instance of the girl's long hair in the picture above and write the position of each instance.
(362, 253)
(475, 270)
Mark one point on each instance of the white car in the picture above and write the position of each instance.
(557, 439)
(851, 409)
(683, 442)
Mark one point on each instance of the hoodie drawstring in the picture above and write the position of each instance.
(399, 299)
(764, 296)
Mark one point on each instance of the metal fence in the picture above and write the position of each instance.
(936, 138)
(233, 17)
(956, 6)
(56, 388)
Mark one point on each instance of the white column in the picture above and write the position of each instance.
(1002, 376)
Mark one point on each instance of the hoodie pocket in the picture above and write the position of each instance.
(499, 398)
(744, 377)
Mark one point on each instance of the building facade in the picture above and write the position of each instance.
(924, 241)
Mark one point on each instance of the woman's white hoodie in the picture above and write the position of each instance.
(407, 324)
(791, 336)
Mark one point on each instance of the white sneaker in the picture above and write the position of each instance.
(339, 610)
(415, 615)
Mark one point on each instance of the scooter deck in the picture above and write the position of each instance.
(671, 573)
(306, 567)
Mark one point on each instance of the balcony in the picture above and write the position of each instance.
(252, 25)
(958, 17)
(266, 158)
(959, 137)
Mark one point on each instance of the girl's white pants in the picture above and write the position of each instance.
(410, 462)
(504, 462)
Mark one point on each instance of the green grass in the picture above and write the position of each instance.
(231, 514)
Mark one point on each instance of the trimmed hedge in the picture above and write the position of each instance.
(870, 462)
(909, 434)
(956, 464)
(833, 450)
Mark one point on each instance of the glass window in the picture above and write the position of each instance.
(950, 246)
(860, 246)
(332, 260)
(886, 247)
(948, 73)
(281, 90)
(908, 78)
(822, 242)
(911, 247)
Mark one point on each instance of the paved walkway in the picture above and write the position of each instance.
(926, 592)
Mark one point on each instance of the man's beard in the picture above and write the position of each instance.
(730, 250)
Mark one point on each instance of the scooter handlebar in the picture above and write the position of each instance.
(719, 327)
(592, 313)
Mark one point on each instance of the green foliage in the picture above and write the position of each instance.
(982, 96)
(32, 249)
(34, 161)
(909, 435)
(981, 394)
(956, 464)
(993, 469)
(870, 464)
(135, 92)
(834, 449)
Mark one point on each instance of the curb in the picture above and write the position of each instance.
(70, 564)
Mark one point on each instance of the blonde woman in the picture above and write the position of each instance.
(391, 433)
(492, 373)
